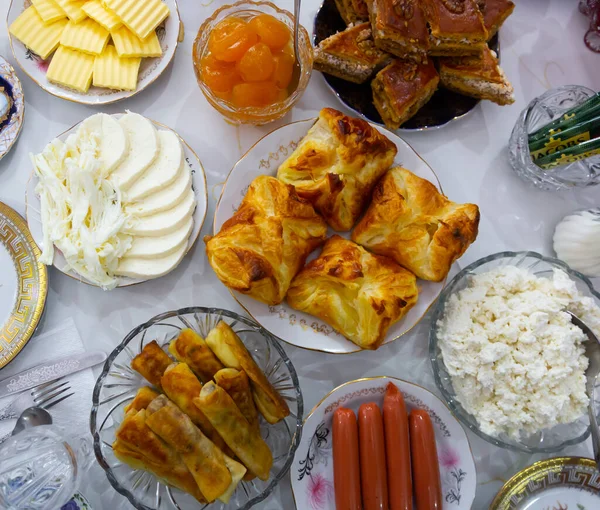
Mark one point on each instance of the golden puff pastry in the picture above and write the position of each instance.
(265, 243)
(410, 221)
(336, 165)
(359, 294)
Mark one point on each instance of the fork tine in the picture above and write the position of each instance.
(52, 404)
(43, 386)
(47, 398)
(38, 395)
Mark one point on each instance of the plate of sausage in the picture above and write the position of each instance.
(382, 442)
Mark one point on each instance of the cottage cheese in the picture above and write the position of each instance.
(517, 362)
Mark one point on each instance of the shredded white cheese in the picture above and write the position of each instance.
(516, 361)
(81, 210)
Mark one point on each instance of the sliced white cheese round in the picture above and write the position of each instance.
(113, 141)
(144, 146)
(163, 171)
(135, 267)
(165, 198)
(161, 246)
(164, 222)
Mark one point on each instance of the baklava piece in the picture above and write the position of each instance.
(350, 55)
(399, 27)
(401, 89)
(456, 27)
(352, 11)
(477, 76)
(495, 13)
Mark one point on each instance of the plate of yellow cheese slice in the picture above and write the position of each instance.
(93, 51)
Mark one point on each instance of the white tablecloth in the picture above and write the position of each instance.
(542, 48)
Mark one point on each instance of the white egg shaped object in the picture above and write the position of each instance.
(577, 241)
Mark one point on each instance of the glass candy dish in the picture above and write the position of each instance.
(118, 384)
(541, 111)
(549, 440)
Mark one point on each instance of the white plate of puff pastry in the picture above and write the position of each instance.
(387, 234)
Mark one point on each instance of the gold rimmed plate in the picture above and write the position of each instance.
(292, 326)
(312, 470)
(23, 284)
(150, 69)
(33, 206)
(560, 483)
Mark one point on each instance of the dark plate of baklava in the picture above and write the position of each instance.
(386, 64)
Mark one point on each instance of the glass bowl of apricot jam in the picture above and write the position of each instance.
(244, 59)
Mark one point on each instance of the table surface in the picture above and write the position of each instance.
(542, 48)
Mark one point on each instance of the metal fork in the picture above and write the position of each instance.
(45, 396)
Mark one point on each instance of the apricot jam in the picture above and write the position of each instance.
(249, 61)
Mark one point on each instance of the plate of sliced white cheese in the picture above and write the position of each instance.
(116, 200)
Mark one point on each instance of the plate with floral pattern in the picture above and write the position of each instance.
(562, 483)
(150, 69)
(294, 327)
(12, 107)
(78, 502)
(312, 469)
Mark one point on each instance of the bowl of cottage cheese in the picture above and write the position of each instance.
(506, 356)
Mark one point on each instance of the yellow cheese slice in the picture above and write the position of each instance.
(71, 68)
(48, 10)
(30, 29)
(130, 45)
(96, 10)
(73, 8)
(86, 36)
(140, 17)
(113, 72)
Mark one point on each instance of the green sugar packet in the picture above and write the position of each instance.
(586, 110)
(571, 154)
(562, 140)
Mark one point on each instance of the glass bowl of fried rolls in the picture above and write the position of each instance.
(196, 408)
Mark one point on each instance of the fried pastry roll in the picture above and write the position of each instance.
(151, 363)
(190, 348)
(142, 399)
(233, 353)
(237, 385)
(239, 435)
(182, 386)
(205, 461)
(139, 447)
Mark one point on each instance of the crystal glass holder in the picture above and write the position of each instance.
(542, 110)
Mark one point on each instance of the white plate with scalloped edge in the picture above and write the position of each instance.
(290, 325)
(312, 469)
(150, 68)
(34, 220)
